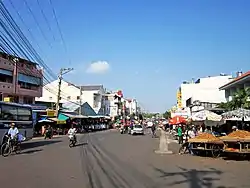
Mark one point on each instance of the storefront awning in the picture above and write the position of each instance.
(73, 116)
(58, 121)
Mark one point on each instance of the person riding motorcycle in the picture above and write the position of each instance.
(13, 134)
(72, 133)
(48, 132)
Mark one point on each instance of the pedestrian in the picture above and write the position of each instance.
(180, 135)
(153, 129)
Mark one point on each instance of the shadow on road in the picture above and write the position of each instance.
(30, 151)
(81, 144)
(29, 145)
(194, 178)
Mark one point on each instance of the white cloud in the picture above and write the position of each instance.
(98, 67)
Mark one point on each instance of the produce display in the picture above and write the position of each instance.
(237, 135)
(205, 137)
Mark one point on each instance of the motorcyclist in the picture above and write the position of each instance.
(72, 132)
(48, 132)
(13, 133)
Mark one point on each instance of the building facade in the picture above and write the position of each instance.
(242, 81)
(20, 80)
(205, 90)
(92, 94)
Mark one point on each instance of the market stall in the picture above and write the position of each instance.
(237, 142)
(206, 143)
(240, 114)
(208, 118)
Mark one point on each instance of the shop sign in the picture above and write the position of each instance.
(61, 122)
(8, 99)
(51, 113)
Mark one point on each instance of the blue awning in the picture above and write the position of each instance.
(62, 117)
(29, 79)
(6, 72)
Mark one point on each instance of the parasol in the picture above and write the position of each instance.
(206, 115)
(237, 115)
(177, 120)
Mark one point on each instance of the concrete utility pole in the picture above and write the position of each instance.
(80, 101)
(61, 73)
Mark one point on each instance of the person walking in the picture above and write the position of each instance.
(180, 135)
(153, 129)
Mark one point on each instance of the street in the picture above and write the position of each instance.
(110, 160)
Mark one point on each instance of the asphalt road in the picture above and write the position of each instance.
(111, 160)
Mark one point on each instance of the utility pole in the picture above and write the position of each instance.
(80, 101)
(61, 73)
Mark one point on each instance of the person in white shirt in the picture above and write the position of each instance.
(72, 132)
(13, 131)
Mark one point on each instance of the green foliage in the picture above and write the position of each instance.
(239, 100)
(167, 114)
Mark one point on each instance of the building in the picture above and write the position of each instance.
(131, 106)
(95, 96)
(20, 80)
(205, 90)
(92, 94)
(242, 81)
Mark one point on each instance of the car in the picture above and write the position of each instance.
(137, 129)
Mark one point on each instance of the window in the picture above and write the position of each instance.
(28, 100)
(24, 114)
(9, 113)
(68, 97)
(78, 97)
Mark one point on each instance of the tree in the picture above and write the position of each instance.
(240, 100)
(167, 114)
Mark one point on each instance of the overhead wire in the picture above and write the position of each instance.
(10, 50)
(46, 20)
(60, 31)
(37, 23)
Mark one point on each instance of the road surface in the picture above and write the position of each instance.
(110, 160)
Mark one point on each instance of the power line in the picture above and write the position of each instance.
(45, 18)
(37, 23)
(60, 31)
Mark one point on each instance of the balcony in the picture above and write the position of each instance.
(33, 92)
(6, 64)
(31, 72)
(6, 87)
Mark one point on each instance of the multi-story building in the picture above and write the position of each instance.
(92, 94)
(20, 80)
(205, 90)
(131, 106)
(241, 81)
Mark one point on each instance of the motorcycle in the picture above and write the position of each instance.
(122, 130)
(72, 141)
(48, 134)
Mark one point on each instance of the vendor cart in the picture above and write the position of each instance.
(238, 146)
(207, 147)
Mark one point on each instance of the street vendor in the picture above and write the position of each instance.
(234, 128)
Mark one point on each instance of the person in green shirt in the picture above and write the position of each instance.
(180, 135)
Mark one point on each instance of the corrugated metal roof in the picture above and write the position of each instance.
(91, 87)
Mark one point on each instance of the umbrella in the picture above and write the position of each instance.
(206, 115)
(238, 114)
(45, 120)
(177, 120)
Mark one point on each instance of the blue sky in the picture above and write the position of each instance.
(151, 46)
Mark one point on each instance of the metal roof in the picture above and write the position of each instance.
(236, 80)
(91, 87)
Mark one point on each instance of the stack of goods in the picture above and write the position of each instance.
(204, 138)
(237, 135)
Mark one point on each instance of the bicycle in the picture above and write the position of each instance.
(10, 146)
